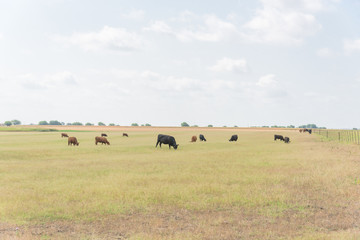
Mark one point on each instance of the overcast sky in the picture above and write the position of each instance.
(234, 62)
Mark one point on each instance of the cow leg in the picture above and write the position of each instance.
(157, 143)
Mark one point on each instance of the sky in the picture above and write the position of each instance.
(234, 62)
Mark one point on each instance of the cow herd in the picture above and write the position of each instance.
(72, 141)
(170, 140)
(304, 130)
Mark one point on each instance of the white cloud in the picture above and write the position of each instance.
(267, 81)
(324, 52)
(38, 82)
(285, 21)
(230, 65)
(135, 14)
(110, 39)
(210, 28)
(160, 27)
(277, 26)
(352, 45)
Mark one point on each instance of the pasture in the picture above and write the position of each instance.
(254, 188)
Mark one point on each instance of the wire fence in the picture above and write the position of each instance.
(348, 136)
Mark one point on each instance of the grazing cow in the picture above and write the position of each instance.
(166, 139)
(301, 130)
(104, 135)
(202, 138)
(64, 135)
(308, 130)
(276, 137)
(286, 139)
(125, 135)
(233, 138)
(193, 139)
(101, 140)
(73, 141)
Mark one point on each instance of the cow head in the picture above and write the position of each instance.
(176, 146)
(77, 143)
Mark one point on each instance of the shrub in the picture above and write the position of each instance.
(184, 124)
(134, 124)
(43, 123)
(101, 124)
(8, 123)
(54, 122)
(15, 122)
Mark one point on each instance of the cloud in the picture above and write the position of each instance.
(351, 45)
(324, 52)
(278, 26)
(135, 14)
(230, 65)
(207, 28)
(267, 81)
(107, 39)
(41, 82)
(160, 27)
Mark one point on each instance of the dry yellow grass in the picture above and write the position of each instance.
(251, 189)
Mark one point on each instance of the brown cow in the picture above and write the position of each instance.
(64, 135)
(193, 139)
(73, 141)
(301, 130)
(125, 135)
(101, 140)
(104, 135)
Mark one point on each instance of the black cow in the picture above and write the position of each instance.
(308, 130)
(104, 135)
(286, 139)
(276, 137)
(233, 138)
(166, 139)
(202, 138)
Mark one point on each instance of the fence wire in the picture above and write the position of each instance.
(348, 136)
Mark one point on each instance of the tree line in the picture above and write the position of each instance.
(183, 124)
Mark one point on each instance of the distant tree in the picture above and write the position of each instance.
(101, 124)
(210, 125)
(195, 125)
(8, 123)
(224, 126)
(355, 129)
(308, 126)
(134, 124)
(111, 124)
(184, 124)
(62, 123)
(68, 124)
(15, 122)
(148, 125)
(43, 123)
(265, 126)
(89, 124)
(77, 123)
(291, 126)
(235, 126)
(54, 122)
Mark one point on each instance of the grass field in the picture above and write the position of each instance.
(254, 188)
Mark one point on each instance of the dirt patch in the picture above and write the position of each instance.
(225, 224)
